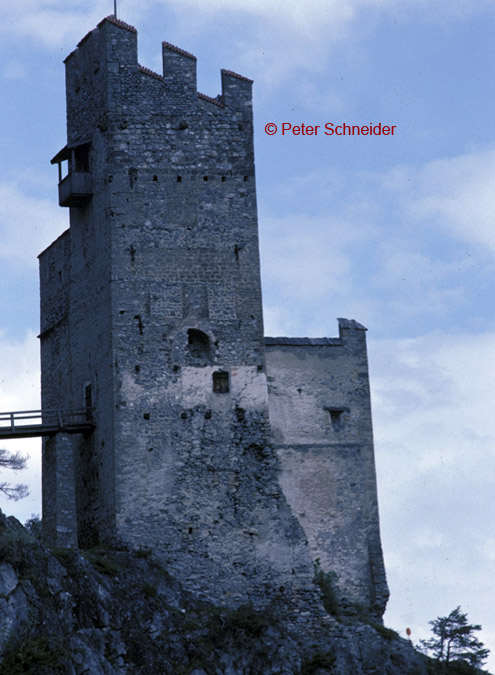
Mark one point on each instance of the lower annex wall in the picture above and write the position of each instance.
(320, 416)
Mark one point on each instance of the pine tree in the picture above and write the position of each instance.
(454, 641)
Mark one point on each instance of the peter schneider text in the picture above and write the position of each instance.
(330, 129)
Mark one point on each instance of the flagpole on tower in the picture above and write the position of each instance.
(115, 8)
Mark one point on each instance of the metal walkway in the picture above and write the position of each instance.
(32, 423)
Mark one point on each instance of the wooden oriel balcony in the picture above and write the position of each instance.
(75, 189)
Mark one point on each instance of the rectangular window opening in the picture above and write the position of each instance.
(221, 382)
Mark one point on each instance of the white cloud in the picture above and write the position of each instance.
(379, 261)
(461, 191)
(304, 256)
(434, 437)
(286, 36)
(291, 36)
(456, 194)
(307, 274)
(51, 22)
(318, 14)
(27, 225)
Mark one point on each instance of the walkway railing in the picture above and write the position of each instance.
(31, 423)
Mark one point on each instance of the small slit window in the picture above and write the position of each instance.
(337, 417)
(88, 401)
(221, 382)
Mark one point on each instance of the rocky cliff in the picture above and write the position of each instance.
(117, 611)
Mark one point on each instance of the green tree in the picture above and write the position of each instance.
(16, 462)
(454, 641)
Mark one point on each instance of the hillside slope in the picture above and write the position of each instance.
(65, 611)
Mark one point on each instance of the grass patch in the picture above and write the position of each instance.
(100, 561)
(386, 633)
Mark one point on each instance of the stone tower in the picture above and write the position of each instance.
(151, 320)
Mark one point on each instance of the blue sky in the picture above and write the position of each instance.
(395, 232)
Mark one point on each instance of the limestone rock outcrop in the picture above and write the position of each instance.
(116, 611)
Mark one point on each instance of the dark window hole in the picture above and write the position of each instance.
(337, 416)
(198, 345)
(221, 382)
(88, 401)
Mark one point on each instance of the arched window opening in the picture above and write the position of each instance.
(198, 346)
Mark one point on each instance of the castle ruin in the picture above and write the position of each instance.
(241, 460)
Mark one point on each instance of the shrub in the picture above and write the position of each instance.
(33, 526)
(97, 557)
(319, 661)
(13, 546)
(326, 582)
(149, 591)
(35, 655)
(143, 553)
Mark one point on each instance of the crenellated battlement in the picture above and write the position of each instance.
(117, 22)
(148, 71)
(173, 48)
(179, 65)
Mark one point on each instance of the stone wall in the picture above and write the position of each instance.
(321, 427)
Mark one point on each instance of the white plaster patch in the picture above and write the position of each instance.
(248, 387)
(298, 416)
(196, 384)
(131, 391)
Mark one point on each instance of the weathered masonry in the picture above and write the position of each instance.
(239, 459)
